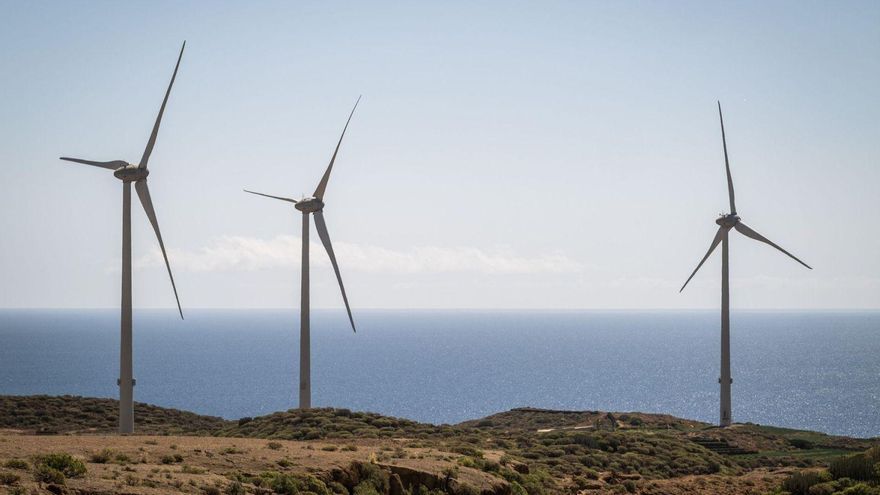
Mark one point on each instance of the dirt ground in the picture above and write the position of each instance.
(146, 464)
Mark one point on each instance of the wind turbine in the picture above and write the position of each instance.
(128, 173)
(725, 223)
(315, 206)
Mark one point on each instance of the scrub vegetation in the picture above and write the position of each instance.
(337, 451)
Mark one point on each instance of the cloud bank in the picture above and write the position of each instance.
(239, 253)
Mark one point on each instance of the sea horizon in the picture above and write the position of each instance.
(450, 365)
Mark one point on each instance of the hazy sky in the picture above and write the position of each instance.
(504, 155)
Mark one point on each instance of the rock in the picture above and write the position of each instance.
(521, 468)
(412, 478)
(396, 485)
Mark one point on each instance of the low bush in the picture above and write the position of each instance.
(235, 488)
(171, 459)
(46, 474)
(800, 443)
(102, 457)
(365, 488)
(801, 482)
(68, 465)
(337, 488)
(858, 466)
(9, 478)
(17, 464)
(291, 484)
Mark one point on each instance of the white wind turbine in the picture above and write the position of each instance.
(128, 173)
(727, 222)
(315, 206)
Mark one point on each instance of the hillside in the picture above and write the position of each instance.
(520, 451)
(48, 415)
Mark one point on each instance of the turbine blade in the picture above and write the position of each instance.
(319, 192)
(108, 165)
(715, 242)
(727, 164)
(748, 232)
(270, 196)
(152, 142)
(144, 194)
(325, 239)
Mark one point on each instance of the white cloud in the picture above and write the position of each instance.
(230, 253)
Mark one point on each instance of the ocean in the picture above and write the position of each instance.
(810, 370)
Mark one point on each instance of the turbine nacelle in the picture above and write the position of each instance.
(131, 173)
(309, 205)
(728, 221)
(314, 204)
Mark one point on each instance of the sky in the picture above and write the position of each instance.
(504, 155)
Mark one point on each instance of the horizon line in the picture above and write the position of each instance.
(291, 308)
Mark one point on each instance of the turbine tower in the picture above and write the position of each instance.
(128, 173)
(725, 223)
(313, 205)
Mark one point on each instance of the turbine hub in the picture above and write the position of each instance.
(131, 173)
(309, 205)
(728, 221)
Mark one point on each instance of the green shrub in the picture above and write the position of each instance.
(283, 484)
(365, 488)
(371, 474)
(46, 474)
(289, 484)
(800, 443)
(102, 457)
(799, 483)
(827, 488)
(517, 489)
(314, 485)
(17, 464)
(235, 488)
(68, 465)
(861, 489)
(337, 488)
(858, 466)
(274, 445)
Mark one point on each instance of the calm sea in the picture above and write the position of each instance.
(814, 370)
